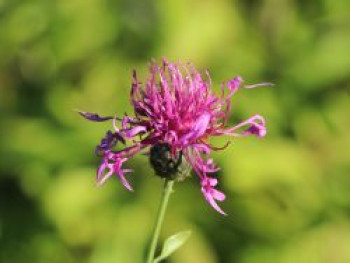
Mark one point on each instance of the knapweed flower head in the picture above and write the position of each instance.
(175, 115)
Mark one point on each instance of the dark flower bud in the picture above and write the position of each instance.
(163, 162)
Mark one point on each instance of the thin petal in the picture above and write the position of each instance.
(101, 179)
(124, 181)
(134, 131)
(264, 84)
(210, 199)
(94, 116)
(100, 171)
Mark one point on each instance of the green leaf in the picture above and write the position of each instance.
(172, 244)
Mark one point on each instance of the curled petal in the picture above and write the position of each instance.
(256, 126)
(199, 128)
(134, 131)
(94, 116)
(256, 129)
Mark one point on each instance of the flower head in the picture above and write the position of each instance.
(175, 115)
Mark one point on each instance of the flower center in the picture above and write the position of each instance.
(163, 162)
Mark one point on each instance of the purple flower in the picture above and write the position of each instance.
(175, 114)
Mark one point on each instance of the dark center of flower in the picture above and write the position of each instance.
(163, 162)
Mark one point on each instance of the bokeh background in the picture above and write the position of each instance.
(288, 194)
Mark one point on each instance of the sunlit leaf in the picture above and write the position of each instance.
(172, 244)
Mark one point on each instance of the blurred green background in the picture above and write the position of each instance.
(288, 194)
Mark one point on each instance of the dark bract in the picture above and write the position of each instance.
(164, 164)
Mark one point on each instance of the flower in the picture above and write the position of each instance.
(175, 115)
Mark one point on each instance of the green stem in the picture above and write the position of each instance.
(168, 188)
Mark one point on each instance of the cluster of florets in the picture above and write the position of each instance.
(176, 114)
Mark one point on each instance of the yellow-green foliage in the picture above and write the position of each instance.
(288, 194)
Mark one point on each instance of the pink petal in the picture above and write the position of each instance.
(198, 129)
(100, 171)
(124, 181)
(234, 84)
(210, 199)
(217, 195)
(102, 180)
(256, 129)
(212, 181)
(134, 131)
(256, 120)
